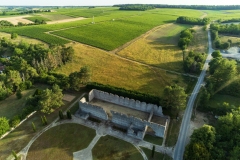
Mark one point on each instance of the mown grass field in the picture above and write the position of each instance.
(61, 141)
(157, 155)
(222, 14)
(159, 48)
(111, 148)
(235, 40)
(199, 42)
(109, 69)
(132, 25)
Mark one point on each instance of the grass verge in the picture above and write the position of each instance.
(157, 155)
(173, 131)
(153, 139)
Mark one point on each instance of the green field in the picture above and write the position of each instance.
(61, 141)
(222, 14)
(125, 27)
(111, 148)
(109, 69)
(39, 18)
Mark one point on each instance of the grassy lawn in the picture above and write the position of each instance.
(61, 141)
(159, 48)
(12, 106)
(111, 148)
(20, 137)
(109, 69)
(172, 134)
(152, 139)
(157, 155)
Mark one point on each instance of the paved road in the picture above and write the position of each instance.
(181, 143)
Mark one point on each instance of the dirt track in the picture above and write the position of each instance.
(66, 20)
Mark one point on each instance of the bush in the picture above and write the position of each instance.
(4, 125)
(19, 94)
(15, 121)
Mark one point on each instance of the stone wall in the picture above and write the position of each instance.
(137, 123)
(126, 102)
(92, 110)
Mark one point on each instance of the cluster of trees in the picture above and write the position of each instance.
(35, 63)
(200, 7)
(143, 97)
(185, 38)
(44, 100)
(233, 29)
(32, 11)
(174, 97)
(221, 142)
(4, 23)
(37, 21)
(217, 42)
(223, 79)
(140, 7)
(193, 63)
(229, 20)
(195, 21)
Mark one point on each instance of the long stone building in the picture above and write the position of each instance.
(135, 126)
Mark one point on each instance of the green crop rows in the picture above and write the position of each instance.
(112, 27)
(112, 34)
(38, 18)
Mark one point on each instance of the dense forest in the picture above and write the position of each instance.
(195, 21)
(200, 7)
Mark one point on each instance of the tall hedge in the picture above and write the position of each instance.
(143, 97)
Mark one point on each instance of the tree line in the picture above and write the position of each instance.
(136, 7)
(216, 40)
(198, 7)
(191, 20)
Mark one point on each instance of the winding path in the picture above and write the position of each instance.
(181, 143)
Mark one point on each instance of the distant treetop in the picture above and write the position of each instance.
(200, 7)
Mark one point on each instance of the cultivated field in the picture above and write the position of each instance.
(109, 69)
(61, 141)
(222, 14)
(112, 26)
(111, 148)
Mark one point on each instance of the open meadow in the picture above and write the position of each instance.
(158, 48)
(109, 69)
